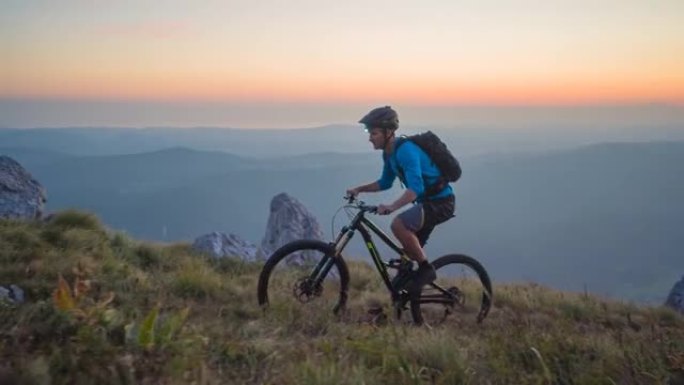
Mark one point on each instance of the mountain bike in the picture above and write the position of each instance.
(306, 271)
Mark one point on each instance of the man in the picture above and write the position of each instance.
(419, 174)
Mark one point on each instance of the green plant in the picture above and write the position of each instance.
(156, 332)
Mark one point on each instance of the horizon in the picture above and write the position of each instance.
(316, 63)
(27, 114)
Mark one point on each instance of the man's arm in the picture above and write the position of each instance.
(370, 187)
(385, 182)
(410, 163)
(408, 156)
(407, 197)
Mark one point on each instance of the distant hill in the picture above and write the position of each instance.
(31, 157)
(584, 216)
(465, 140)
(138, 172)
(259, 143)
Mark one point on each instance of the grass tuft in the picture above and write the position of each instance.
(70, 219)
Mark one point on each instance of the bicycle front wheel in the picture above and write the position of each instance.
(304, 272)
(462, 286)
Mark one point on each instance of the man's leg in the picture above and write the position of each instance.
(408, 239)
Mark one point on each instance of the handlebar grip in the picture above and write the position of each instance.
(360, 204)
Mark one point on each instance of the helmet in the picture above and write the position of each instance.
(382, 117)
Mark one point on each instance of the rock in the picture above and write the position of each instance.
(221, 245)
(288, 221)
(21, 196)
(12, 294)
(675, 299)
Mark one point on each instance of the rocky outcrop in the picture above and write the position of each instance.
(21, 196)
(675, 299)
(12, 294)
(289, 220)
(221, 245)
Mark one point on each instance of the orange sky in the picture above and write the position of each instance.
(439, 53)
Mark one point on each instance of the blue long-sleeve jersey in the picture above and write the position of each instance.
(419, 170)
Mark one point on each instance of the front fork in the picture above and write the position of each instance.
(326, 263)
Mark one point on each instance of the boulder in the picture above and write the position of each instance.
(12, 294)
(288, 221)
(21, 196)
(220, 245)
(675, 299)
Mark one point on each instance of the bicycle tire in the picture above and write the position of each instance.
(279, 258)
(456, 260)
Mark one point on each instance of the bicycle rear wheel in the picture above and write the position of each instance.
(287, 280)
(462, 286)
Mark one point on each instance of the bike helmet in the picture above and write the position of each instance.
(382, 117)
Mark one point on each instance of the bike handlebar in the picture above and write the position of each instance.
(358, 204)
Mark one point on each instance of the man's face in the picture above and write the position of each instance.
(377, 137)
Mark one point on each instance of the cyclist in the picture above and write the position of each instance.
(419, 174)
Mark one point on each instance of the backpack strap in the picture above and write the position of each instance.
(400, 140)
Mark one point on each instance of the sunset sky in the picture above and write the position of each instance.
(59, 55)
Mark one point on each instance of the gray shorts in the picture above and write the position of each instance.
(423, 217)
(413, 218)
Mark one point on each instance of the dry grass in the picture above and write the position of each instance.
(534, 335)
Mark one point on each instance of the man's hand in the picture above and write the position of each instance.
(385, 209)
(352, 192)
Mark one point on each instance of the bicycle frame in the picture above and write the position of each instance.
(365, 226)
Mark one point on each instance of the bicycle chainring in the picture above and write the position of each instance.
(458, 297)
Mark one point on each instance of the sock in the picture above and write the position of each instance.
(424, 263)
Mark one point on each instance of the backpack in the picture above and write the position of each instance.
(440, 155)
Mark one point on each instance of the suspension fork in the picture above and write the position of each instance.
(326, 263)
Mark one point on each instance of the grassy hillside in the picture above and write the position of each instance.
(105, 309)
